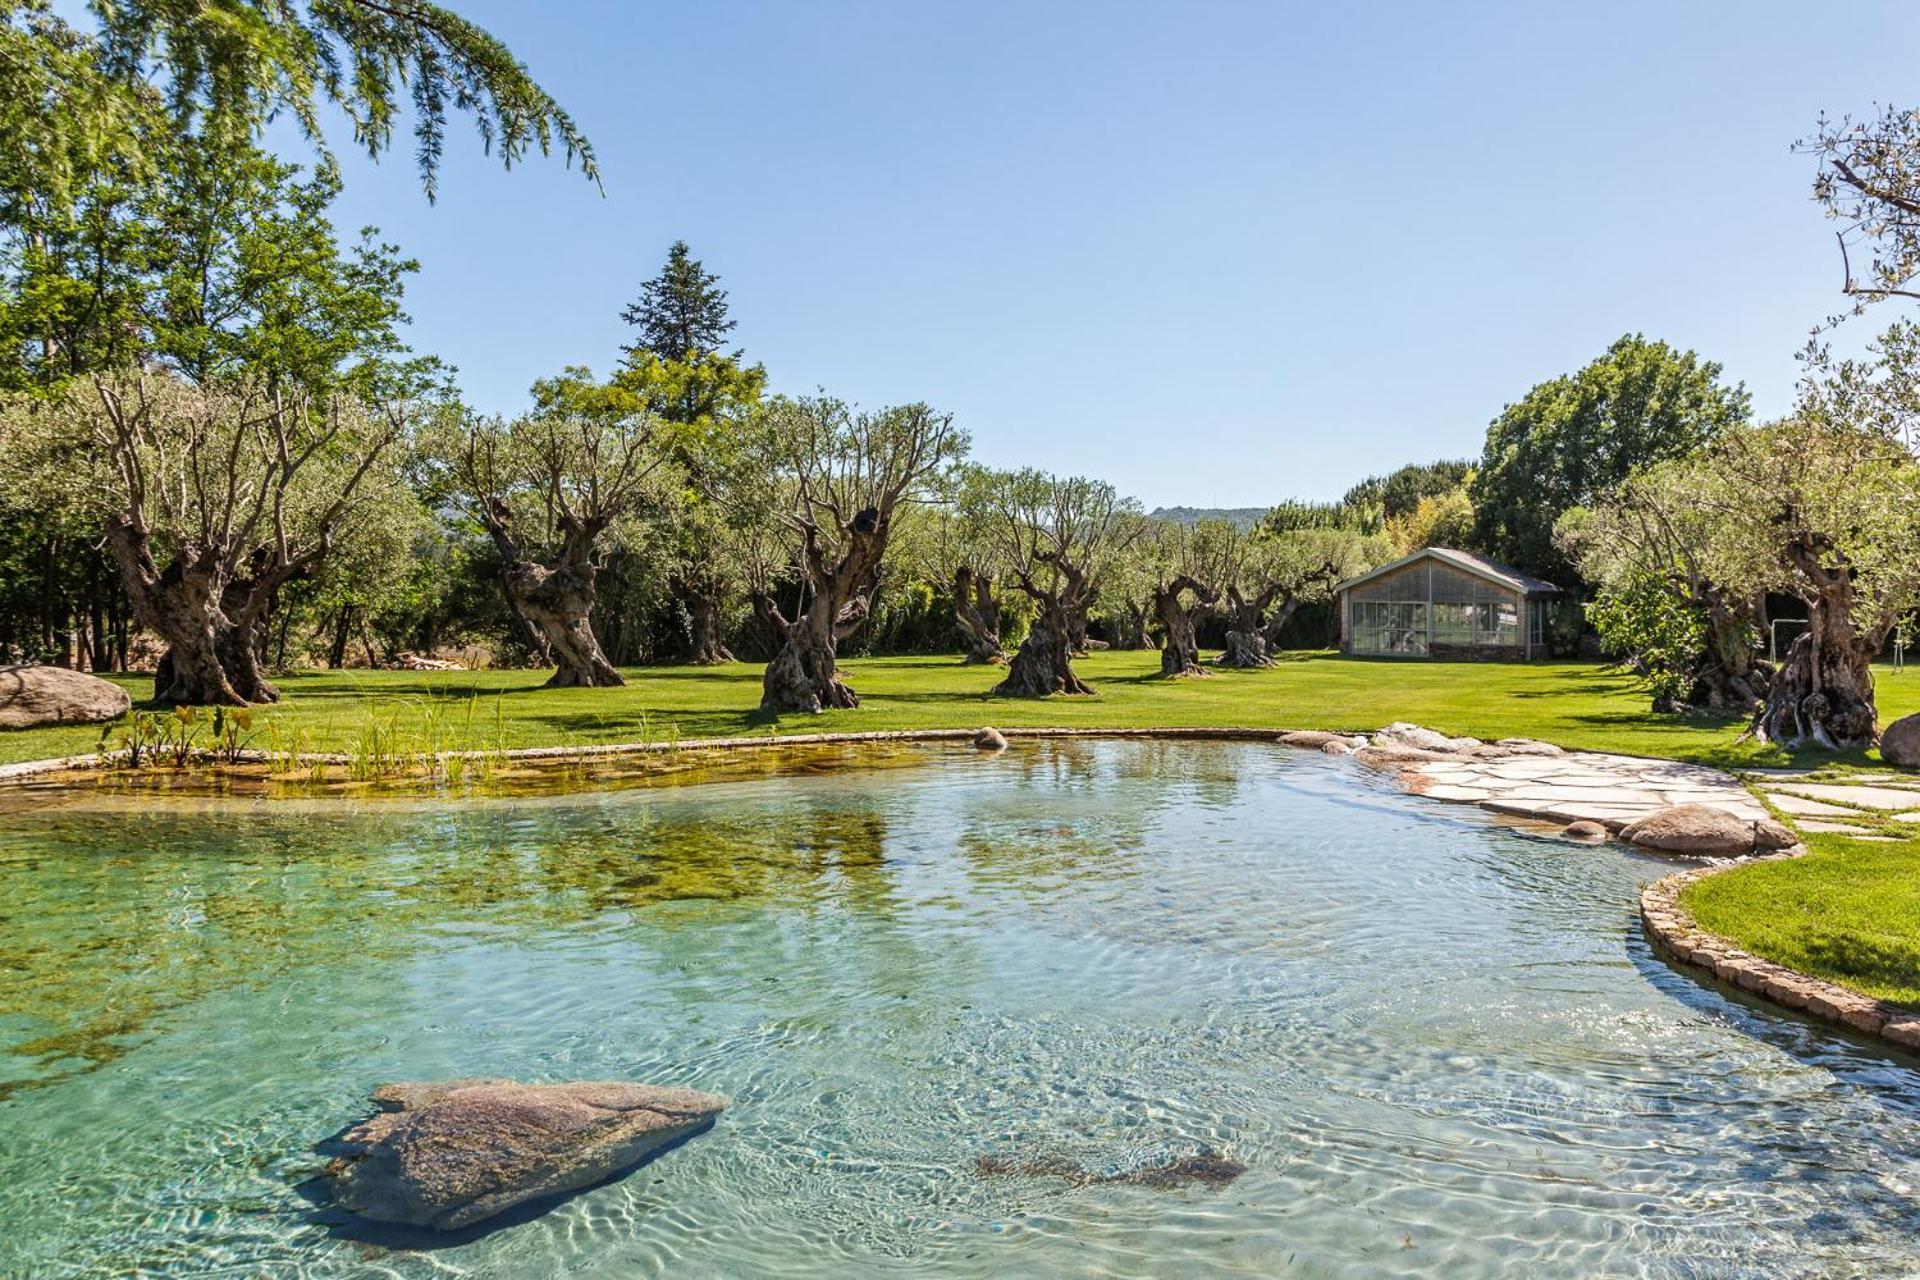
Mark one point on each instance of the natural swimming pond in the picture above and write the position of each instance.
(957, 1002)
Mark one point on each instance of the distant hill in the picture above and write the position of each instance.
(1245, 517)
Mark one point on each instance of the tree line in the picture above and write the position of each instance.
(218, 453)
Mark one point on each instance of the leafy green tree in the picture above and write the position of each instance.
(1663, 598)
(1365, 516)
(1398, 492)
(682, 318)
(74, 96)
(1569, 440)
(222, 262)
(1642, 616)
(1434, 520)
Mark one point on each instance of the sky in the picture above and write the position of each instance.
(1220, 254)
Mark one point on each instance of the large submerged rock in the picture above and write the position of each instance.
(1703, 831)
(1900, 742)
(31, 697)
(450, 1154)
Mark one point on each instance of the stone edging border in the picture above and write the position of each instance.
(1676, 933)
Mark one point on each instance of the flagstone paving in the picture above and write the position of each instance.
(1861, 805)
(1582, 785)
(1867, 797)
(1534, 780)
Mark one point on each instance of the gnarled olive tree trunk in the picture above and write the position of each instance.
(209, 623)
(769, 625)
(555, 597)
(1180, 653)
(707, 648)
(1247, 638)
(1258, 622)
(978, 615)
(1823, 691)
(1731, 673)
(805, 675)
(1132, 627)
(557, 600)
(1043, 666)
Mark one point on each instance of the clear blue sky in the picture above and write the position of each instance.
(1220, 254)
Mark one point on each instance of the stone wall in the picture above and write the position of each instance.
(1676, 934)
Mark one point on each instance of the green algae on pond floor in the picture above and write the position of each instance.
(465, 777)
(1190, 1008)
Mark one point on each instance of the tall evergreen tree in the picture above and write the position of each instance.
(682, 318)
(682, 312)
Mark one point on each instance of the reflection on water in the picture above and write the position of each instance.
(1434, 1046)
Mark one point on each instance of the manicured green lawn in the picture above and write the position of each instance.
(1573, 704)
(1848, 911)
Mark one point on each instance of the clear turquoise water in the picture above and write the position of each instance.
(1440, 1047)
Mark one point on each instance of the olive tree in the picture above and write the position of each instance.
(1059, 536)
(1664, 596)
(1268, 577)
(547, 486)
(1868, 180)
(1187, 564)
(851, 475)
(211, 498)
(959, 549)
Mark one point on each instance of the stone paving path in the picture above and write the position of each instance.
(1864, 805)
(1581, 786)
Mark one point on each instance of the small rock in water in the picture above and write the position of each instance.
(1206, 1168)
(1585, 829)
(1336, 748)
(449, 1154)
(990, 739)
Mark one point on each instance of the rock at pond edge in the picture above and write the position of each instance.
(990, 739)
(1702, 830)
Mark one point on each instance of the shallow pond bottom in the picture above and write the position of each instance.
(966, 1007)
